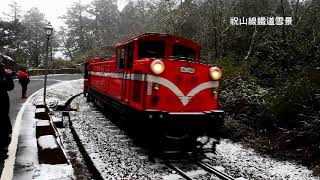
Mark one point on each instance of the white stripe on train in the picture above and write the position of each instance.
(164, 82)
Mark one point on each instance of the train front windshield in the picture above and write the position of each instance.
(151, 49)
(183, 52)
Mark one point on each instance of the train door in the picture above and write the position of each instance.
(127, 74)
(116, 82)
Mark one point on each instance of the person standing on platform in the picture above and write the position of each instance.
(24, 81)
(6, 84)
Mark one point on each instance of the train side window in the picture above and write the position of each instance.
(130, 56)
(120, 58)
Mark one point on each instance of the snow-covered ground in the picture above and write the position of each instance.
(247, 163)
(115, 155)
(59, 93)
(23, 158)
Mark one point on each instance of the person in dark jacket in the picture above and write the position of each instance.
(24, 81)
(6, 84)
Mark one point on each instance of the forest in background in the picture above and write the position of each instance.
(271, 85)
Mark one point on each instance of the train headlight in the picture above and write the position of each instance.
(157, 67)
(215, 73)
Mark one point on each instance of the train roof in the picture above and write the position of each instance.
(159, 36)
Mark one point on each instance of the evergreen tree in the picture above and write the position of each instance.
(34, 37)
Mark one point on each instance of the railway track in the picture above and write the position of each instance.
(205, 166)
(178, 170)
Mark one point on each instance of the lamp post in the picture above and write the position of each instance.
(48, 28)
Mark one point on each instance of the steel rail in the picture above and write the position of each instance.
(179, 171)
(213, 170)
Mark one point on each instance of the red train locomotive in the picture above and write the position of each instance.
(158, 80)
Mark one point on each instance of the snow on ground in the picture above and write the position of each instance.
(249, 164)
(56, 119)
(43, 123)
(115, 158)
(61, 91)
(48, 171)
(40, 110)
(47, 142)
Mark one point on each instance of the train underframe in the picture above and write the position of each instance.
(170, 130)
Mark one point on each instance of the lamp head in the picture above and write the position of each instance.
(48, 29)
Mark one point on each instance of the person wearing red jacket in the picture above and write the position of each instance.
(24, 81)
